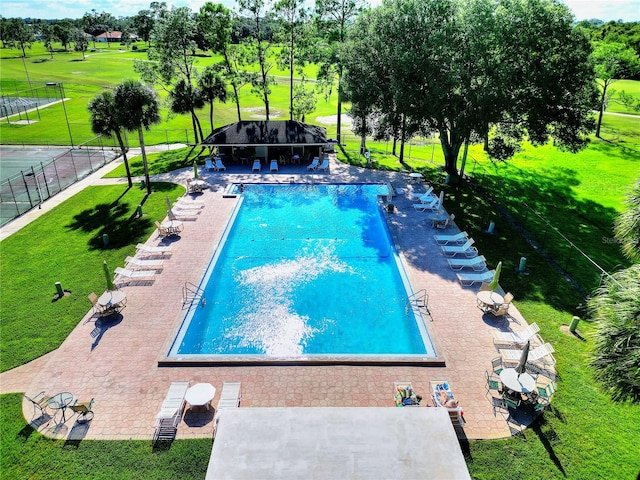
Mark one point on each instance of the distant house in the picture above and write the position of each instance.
(267, 140)
(114, 36)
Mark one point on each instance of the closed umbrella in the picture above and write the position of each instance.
(107, 275)
(493, 285)
(441, 200)
(168, 203)
(195, 170)
(522, 365)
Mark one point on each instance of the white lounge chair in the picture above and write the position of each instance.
(516, 338)
(477, 263)
(124, 275)
(170, 414)
(274, 166)
(466, 279)
(536, 355)
(458, 238)
(314, 164)
(325, 164)
(220, 165)
(257, 166)
(209, 164)
(427, 203)
(417, 195)
(139, 263)
(149, 250)
(229, 398)
(467, 249)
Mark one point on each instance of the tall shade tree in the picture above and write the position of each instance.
(63, 30)
(512, 69)
(215, 22)
(627, 225)
(293, 15)
(143, 23)
(138, 108)
(172, 56)
(615, 307)
(259, 48)
(333, 18)
(104, 121)
(185, 98)
(613, 61)
(17, 31)
(80, 42)
(212, 87)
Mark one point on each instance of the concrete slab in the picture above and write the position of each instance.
(345, 443)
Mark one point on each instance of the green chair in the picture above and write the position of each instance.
(83, 409)
(511, 402)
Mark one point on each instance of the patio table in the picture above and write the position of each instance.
(489, 299)
(517, 382)
(200, 395)
(60, 401)
(112, 301)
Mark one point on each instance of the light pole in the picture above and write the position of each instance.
(61, 89)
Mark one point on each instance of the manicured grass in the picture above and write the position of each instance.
(160, 162)
(27, 454)
(631, 87)
(65, 245)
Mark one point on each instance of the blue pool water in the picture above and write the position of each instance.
(305, 270)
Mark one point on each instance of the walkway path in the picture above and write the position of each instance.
(117, 363)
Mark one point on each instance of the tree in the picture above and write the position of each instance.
(334, 17)
(48, 37)
(184, 98)
(137, 108)
(304, 101)
(613, 61)
(143, 25)
(81, 43)
(104, 121)
(215, 22)
(615, 307)
(212, 87)
(293, 16)
(512, 69)
(15, 30)
(627, 225)
(63, 30)
(259, 49)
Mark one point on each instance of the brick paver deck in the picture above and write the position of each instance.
(116, 363)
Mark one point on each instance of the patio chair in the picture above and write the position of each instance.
(511, 402)
(516, 338)
(124, 275)
(476, 263)
(274, 166)
(404, 395)
(93, 298)
(133, 263)
(83, 409)
(220, 165)
(427, 203)
(257, 166)
(229, 398)
(40, 402)
(496, 365)
(503, 308)
(163, 232)
(324, 166)
(458, 238)
(209, 164)
(541, 354)
(314, 164)
(170, 414)
(417, 195)
(468, 250)
(467, 279)
(443, 224)
(492, 382)
(148, 250)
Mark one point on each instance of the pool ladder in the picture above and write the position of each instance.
(420, 301)
(192, 293)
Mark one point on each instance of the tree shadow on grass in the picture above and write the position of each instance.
(548, 436)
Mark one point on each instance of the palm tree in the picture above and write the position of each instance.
(138, 107)
(212, 87)
(104, 122)
(185, 99)
(627, 225)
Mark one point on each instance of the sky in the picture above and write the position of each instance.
(625, 10)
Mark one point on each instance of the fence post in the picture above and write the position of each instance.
(15, 202)
(45, 180)
(26, 187)
(73, 164)
(55, 167)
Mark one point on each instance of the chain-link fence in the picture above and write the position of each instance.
(26, 103)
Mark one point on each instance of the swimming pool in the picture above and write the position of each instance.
(305, 272)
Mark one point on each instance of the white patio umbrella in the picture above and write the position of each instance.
(441, 201)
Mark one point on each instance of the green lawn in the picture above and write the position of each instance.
(631, 87)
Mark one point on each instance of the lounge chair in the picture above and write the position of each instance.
(467, 249)
(209, 164)
(229, 398)
(40, 403)
(83, 409)
(458, 238)
(220, 165)
(439, 223)
(257, 166)
(417, 195)
(516, 338)
(314, 164)
(542, 354)
(139, 263)
(325, 164)
(149, 250)
(274, 166)
(404, 395)
(427, 203)
(170, 414)
(478, 263)
(467, 279)
(124, 275)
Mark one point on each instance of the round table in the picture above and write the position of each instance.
(172, 224)
(60, 401)
(488, 299)
(416, 177)
(112, 298)
(200, 395)
(518, 382)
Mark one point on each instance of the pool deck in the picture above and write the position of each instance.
(116, 362)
